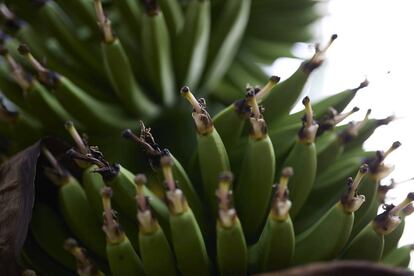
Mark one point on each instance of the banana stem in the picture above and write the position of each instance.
(397, 209)
(80, 143)
(273, 80)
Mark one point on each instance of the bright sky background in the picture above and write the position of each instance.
(375, 41)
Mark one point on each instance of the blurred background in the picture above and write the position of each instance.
(375, 42)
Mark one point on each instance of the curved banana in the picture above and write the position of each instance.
(399, 256)
(276, 245)
(157, 58)
(192, 43)
(119, 70)
(258, 167)
(75, 208)
(187, 240)
(212, 154)
(153, 243)
(331, 233)
(302, 158)
(231, 245)
(122, 258)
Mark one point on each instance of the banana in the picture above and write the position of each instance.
(235, 115)
(227, 32)
(212, 154)
(156, 53)
(84, 265)
(49, 231)
(369, 187)
(187, 240)
(173, 14)
(153, 243)
(192, 43)
(276, 245)
(131, 11)
(332, 231)
(302, 158)
(96, 114)
(119, 70)
(369, 243)
(279, 103)
(122, 258)
(75, 208)
(258, 166)
(399, 257)
(231, 245)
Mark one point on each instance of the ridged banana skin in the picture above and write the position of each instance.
(123, 260)
(157, 256)
(398, 257)
(92, 184)
(367, 245)
(328, 236)
(50, 232)
(231, 250)
(188, 244)
(254, 185)
(302, 158)
(213, 160)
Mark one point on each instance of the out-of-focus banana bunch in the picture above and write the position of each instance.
(203, 201)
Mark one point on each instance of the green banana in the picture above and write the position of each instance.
(369, 243)
(122, 258)
(75, 208)
(192, 43)
(173, 14)
(331, 232)
(276, 245)
(119, 70)
(281, 100)
(236, 114)
(157, 58)
(226, 34)
(399, 257)
(84, 265)
(212, 154)
(187, 240)
(302, 158)
(231, 245)
(258, 166)
(153, 243)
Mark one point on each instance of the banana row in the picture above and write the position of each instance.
(261, 229)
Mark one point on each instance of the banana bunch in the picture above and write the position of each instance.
(193, 194)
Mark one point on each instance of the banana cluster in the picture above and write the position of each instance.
(204, 200)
